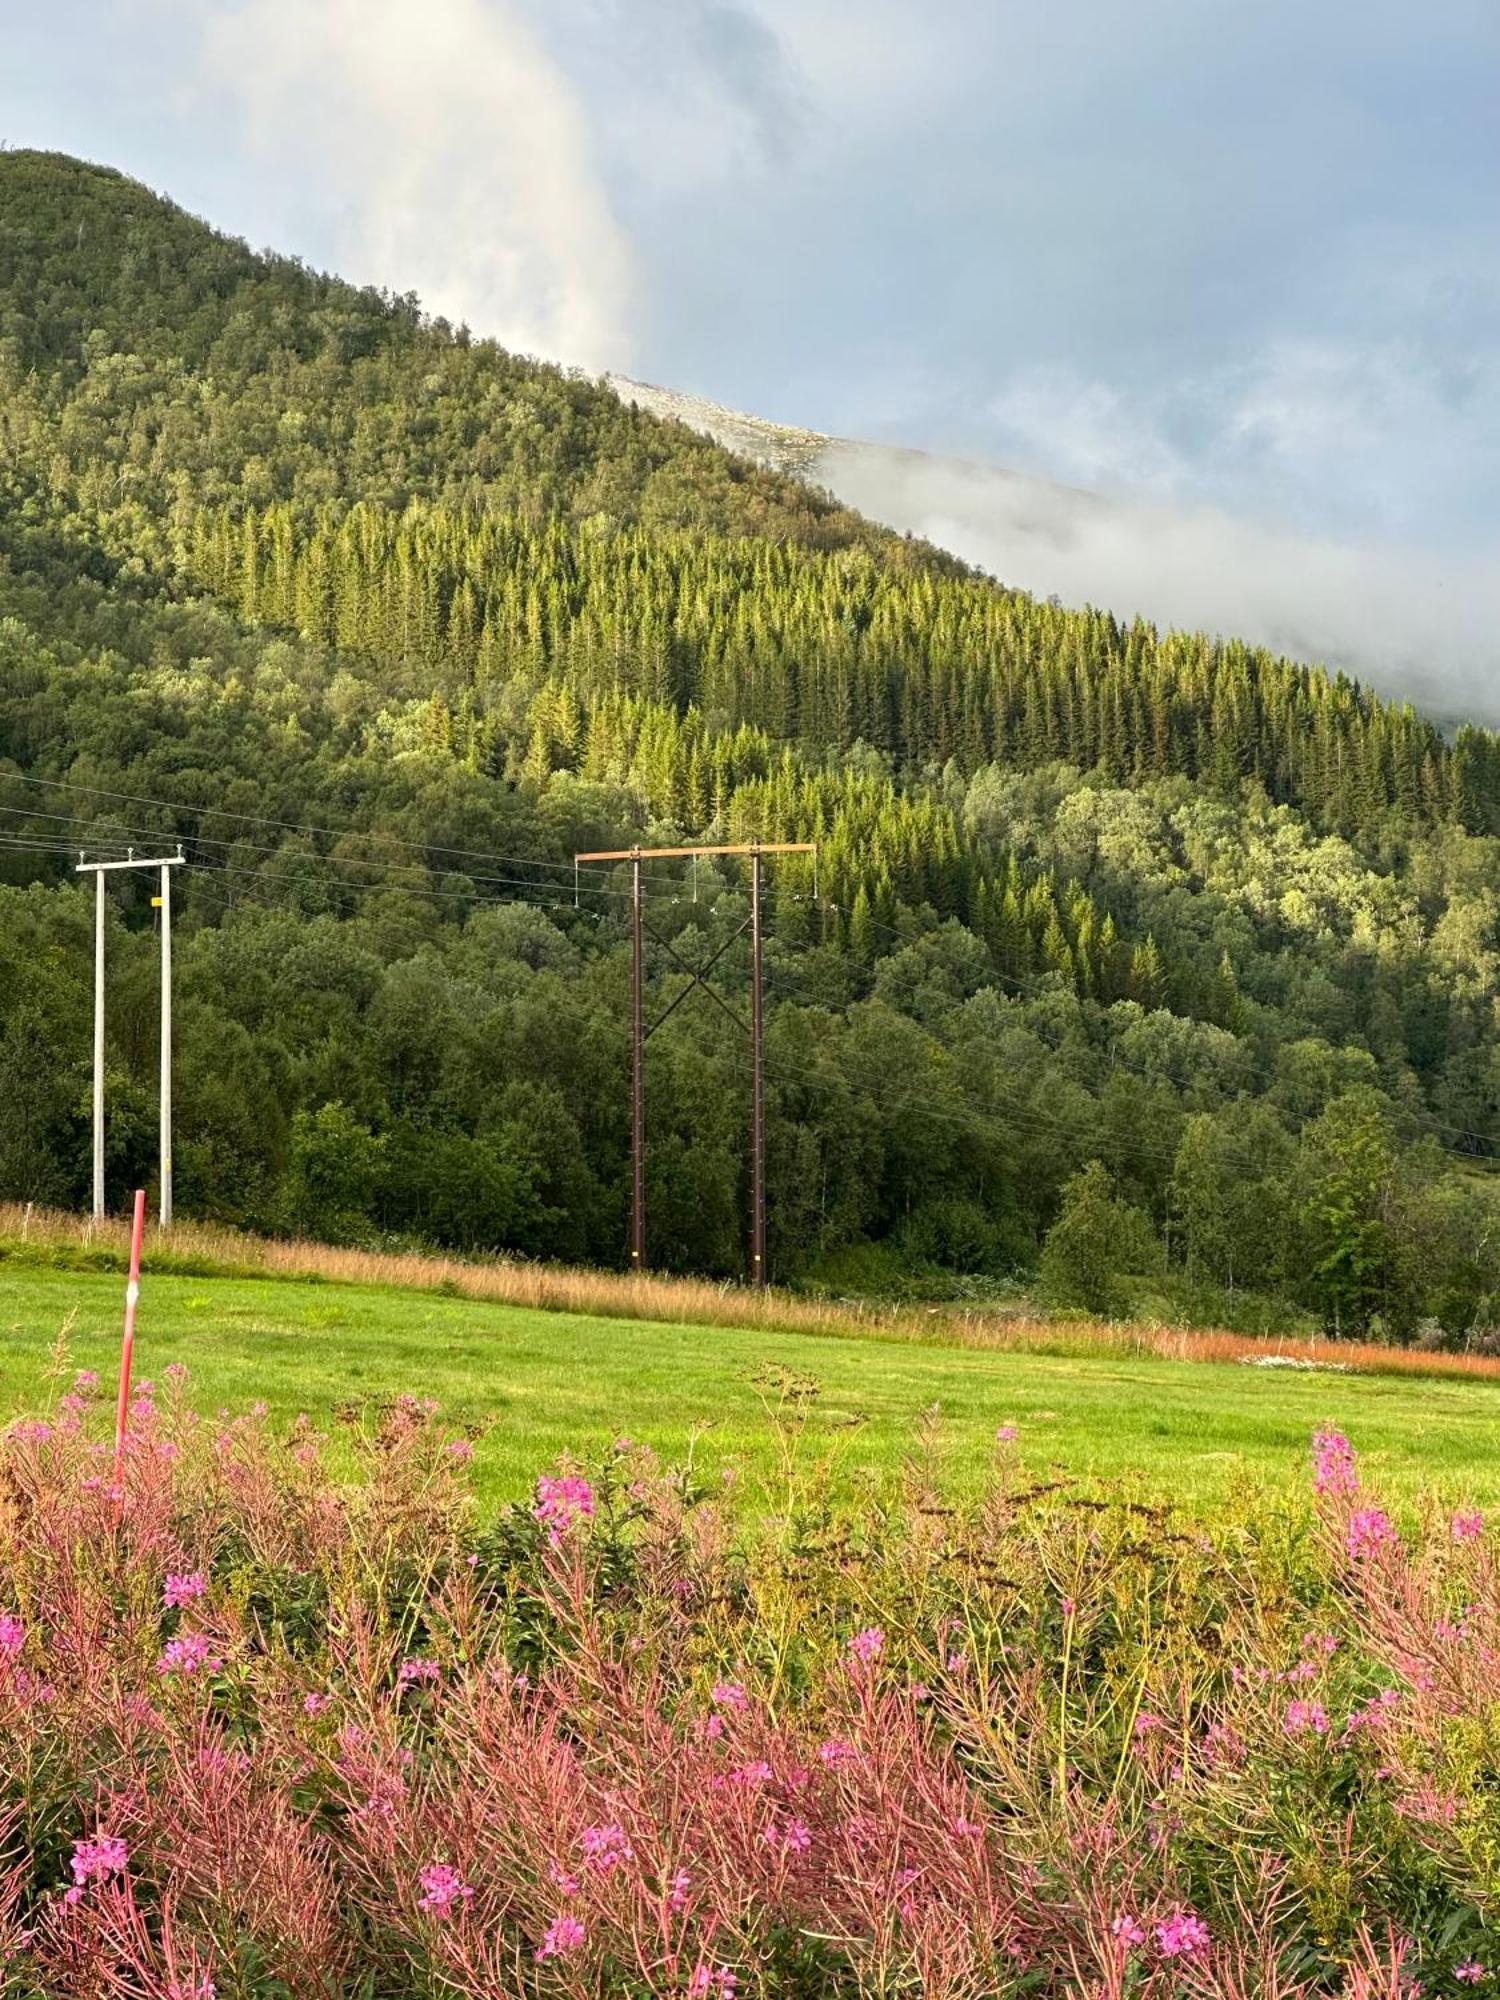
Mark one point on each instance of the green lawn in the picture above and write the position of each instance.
(554, 1383)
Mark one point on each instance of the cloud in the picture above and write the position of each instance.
(1381, 436)
(450, 155)
(685, 93)
(1417, 624)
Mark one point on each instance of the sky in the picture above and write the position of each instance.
(1235, 266)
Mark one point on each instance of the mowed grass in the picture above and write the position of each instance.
(552, 1383)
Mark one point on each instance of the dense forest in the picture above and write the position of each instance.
(1132, 965)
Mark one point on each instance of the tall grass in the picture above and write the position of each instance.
(199, 1249)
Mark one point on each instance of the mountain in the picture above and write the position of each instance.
(384, 625)
(1412, 623)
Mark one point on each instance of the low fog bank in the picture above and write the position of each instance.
(1409, 623)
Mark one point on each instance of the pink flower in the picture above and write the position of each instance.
(757, 1773)
(1146, 1723)
(1182, 1935)
(442, 1886)
(1007, 1433)
(729, 1694)
(1466, 1526)
(94, 1859)
(1128, 1930)
(793, 1838)
(833, 1753)
(563, 1934)
(85, 1379)
(1304, 1715)
(1369, 1531)
(708, 1983)
(189, 1655)
(411, 1672)
(314, 1704)
(605, 1847)
(12, 1635)
(561, 1502)
(868, 1645)
(179, 1591)
(1333, 1464)
(677, 1890)
(1470, 1972)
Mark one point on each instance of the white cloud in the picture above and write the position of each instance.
(449, 155)
(1369, 437)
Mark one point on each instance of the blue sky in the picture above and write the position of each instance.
(1225, 256)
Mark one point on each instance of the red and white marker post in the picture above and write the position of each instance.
(127, 1340)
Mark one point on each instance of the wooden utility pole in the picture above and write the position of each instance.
(99, 869)
(697, 976)
(757, 1088)
(637, 1075)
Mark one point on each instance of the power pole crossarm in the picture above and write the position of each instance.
(684, 853)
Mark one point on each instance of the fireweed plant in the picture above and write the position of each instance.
(265, 1732)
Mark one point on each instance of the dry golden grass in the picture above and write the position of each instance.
(206, 1248)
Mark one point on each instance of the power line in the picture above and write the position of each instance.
(285, 826)
(242, 846)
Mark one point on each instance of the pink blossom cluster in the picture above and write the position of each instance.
(1182, 1935)
(96, 1861)
(605, 1847)
(180, 1591)
(442, 1887)
(1303, 1717)
(563, 1934)
(712, 1983)
(560, 1503)
(1333, 1464)
(193, 1653)
(1370, 1530)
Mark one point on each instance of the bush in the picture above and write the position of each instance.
(1095, 1239)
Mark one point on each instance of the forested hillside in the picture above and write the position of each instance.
(1124, 949)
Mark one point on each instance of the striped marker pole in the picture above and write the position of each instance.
(127, 1341)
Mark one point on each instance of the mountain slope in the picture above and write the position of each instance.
(384, 624)
(1415, 624)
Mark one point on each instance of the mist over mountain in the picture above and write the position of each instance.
(1409, 622)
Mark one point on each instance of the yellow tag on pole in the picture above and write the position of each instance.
(156, 902)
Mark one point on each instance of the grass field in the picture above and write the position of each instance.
(548, 1382)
